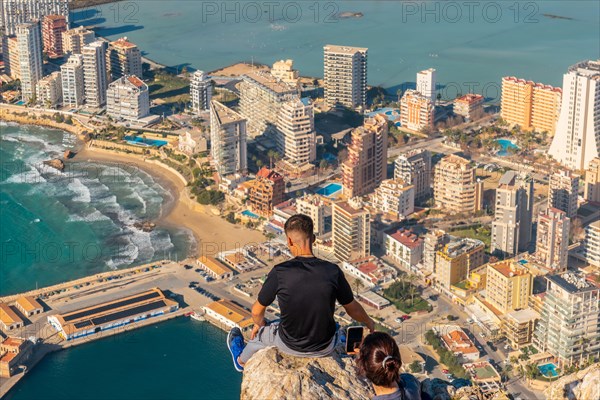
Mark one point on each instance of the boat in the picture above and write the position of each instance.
(197, 317)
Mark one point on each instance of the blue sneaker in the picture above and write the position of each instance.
(235, 344)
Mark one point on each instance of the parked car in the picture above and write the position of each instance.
(405, 317)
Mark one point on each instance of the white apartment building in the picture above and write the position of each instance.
(296, 136)
(591, 244)
(94, 74)
(414, 168)
(74, 40)
(426, 84)
(128, 98)
(405, 247)
(318, 209)
(345, 75)
(29, 43)
(552, 245)
(351, 230)
(200, 92)
(394, 197)
(563, 190)
(15, 12)
(569, 325)
(261, 97)
(577, 138)
(72, 81)
(49, 90)
(511, 228)
(228, 140)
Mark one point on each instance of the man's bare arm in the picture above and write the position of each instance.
(258, 313)
(358, 313)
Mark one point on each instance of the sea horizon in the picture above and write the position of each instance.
(537, 42)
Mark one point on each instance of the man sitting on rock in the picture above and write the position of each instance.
(306, 288)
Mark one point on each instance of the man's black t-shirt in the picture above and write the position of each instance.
(306, 288)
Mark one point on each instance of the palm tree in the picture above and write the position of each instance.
(412, 291)
(357, 285)
(531, 371)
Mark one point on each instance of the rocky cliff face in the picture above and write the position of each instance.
(582, 385)
(272, 375)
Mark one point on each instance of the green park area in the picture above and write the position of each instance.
(406, 296)
(475, 232)
(170, 89)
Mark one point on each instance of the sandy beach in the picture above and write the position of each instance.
(213, 234)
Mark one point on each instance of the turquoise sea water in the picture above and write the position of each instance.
(469, 47)
(57, 226)
(179, 359)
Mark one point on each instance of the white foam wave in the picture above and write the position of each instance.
(94, 216)
(134, 195)
(30, 177)
(81, 191)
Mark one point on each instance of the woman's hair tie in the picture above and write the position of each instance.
(386, 359)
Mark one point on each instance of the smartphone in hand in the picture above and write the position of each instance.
(354, 337)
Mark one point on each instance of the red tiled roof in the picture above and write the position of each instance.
(469, 98)
(122, 42)
(367, 268)
(269, 174)
(407, 238)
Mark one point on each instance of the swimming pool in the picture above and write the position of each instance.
(140, 141)
(250, 214)
(329, 190)
(505, 144)
(20, 103)
(548, 370)
(389, 112)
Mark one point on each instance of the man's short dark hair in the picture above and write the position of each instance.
(300, 223)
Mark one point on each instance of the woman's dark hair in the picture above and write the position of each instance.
(379, 359)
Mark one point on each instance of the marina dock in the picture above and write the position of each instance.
(105, 305)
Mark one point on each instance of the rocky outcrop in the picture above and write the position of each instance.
(438, 389)
(272, 375)
(56, 163)
(581, 385)
(145, 226)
